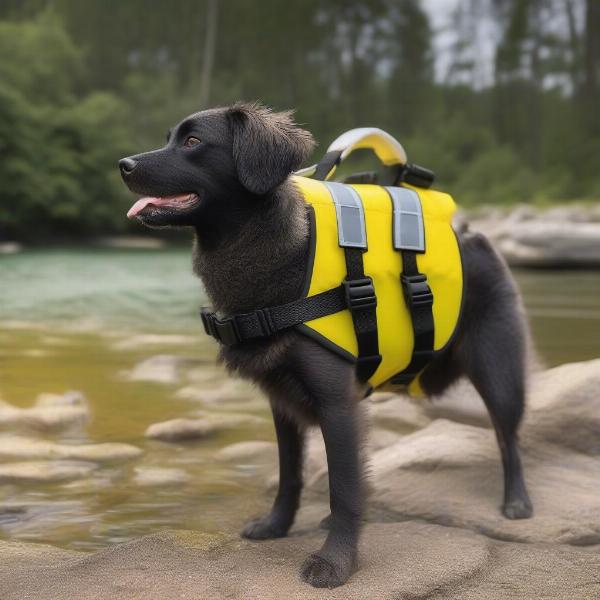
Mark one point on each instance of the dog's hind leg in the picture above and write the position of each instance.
(491, 351)
(290, 441)
(501, 386)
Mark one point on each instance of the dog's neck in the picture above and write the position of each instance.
(256, 258)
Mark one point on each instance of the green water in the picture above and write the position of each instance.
(69, 320)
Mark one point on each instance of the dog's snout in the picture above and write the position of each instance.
(127, 165)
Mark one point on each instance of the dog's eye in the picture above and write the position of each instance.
(191, 142)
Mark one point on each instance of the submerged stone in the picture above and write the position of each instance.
(190, 429)
(43, 471)
(51, 412)
(12, 446)
(150, 476)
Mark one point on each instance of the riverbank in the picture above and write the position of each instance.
(434, 529)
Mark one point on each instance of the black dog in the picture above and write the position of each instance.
(225, 172)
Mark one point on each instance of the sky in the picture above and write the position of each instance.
(480, 50)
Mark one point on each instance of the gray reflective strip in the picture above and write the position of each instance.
(409, 232)
(350, 216)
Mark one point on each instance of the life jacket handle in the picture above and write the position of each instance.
(386, 147)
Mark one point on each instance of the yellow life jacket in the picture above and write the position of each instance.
(440, 262)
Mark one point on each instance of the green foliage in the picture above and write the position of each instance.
(58, 149)
(85, 82)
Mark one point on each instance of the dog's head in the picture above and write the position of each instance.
(215, 160)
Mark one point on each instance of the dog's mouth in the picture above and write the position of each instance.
(179, 203)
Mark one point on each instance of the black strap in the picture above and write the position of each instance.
(356, 294)
(326, 164)
(419, 301)
(266, 321)
(362, 303)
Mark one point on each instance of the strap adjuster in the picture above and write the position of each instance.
(223, 330)
(360, 293)
(416, 290)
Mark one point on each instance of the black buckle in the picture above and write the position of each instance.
(360, 293)
(416, 290)
(223, 330)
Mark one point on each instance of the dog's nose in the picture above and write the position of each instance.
(127, 165)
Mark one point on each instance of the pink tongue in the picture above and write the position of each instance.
(141, 204)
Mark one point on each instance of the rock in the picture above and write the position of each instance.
(381, 438)
(381, 396)
(205, 426)
(51, 412)
(547, 244)
(230, 391)
(397, 560)
(17, 447)
(460, 403)
(163, 368)
(207, 375)
(71, 398)
(450, 472)
(249, 451)
(142, 341)
(400, 413)
(563, 236)
(316, 472)
(151, 476)
(565, 408)
(42, 471)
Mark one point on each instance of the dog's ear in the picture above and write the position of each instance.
(267, 146)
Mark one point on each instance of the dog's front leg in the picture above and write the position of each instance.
(277, 523)
(334, 562)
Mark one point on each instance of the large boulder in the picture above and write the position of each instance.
(450, 472)
(566, 236)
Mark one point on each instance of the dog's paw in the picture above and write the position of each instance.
(519, 508)
(263, 529)
(325, 523)
(322, 573)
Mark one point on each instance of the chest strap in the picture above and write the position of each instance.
(264, 322)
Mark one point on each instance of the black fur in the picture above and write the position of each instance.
(251, 251)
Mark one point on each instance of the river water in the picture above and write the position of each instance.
(81, 320)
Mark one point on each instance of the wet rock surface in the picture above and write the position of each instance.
(43, 471)
(151, 476)
(50, 413)
(185, 429)
(243, 451)
(162, 368)
(16, 447)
